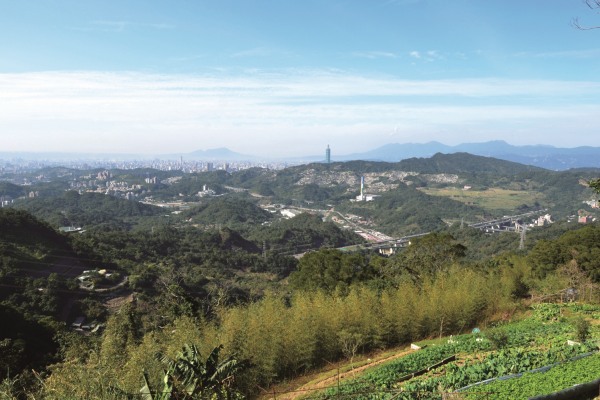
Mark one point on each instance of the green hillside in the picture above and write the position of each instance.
(87, 210)
(229, 211)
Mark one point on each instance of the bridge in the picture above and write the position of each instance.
(511, 223)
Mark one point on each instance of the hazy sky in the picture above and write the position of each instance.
(288, 77)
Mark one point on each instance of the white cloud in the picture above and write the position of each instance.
(375, 54)
(291, 112)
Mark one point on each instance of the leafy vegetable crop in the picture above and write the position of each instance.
(558, 378)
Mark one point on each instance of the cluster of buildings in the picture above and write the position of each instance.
(206, 192)
(113, 188)
(544, 220)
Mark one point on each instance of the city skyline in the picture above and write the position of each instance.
(265, 77)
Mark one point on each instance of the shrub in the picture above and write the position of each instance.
(498, 337)
(582, 329)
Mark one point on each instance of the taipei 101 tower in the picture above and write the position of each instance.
(328, 155)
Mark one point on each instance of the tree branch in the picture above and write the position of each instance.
(575, 23)
(592, 5)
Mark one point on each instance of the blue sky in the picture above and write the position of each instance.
(288, 77)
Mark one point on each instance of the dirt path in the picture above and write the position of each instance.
(333, 380)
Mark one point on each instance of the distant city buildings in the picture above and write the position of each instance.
(328, 155)
(15, 167)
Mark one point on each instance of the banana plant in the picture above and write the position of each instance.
(190, 377)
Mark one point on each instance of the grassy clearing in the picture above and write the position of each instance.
(490, 199)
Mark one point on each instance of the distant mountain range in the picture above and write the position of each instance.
(543, 156)
(221, 153)
(549, 157)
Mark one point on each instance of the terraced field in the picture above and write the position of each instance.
(532, 356)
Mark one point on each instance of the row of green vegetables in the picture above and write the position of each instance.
(497, 364)
(539, 383)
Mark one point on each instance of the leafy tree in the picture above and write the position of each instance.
(430, 254)
(350, 343)
(581, 245)
(330, 270)
(25, 341)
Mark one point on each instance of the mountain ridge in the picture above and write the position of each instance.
(543, 156)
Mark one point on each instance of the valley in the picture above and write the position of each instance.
(288, 270)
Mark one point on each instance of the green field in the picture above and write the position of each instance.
(490, 199)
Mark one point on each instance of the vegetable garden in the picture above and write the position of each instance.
(517, 349)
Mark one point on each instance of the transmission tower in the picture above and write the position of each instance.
(522, 243)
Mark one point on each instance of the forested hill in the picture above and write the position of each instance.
(229, 211)
(12, 190)
(20, 230)
(302, 233)
(38, 267)
(31, 249)
(321, 182)
(464, 163)
(439, 163)
(72, 208)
